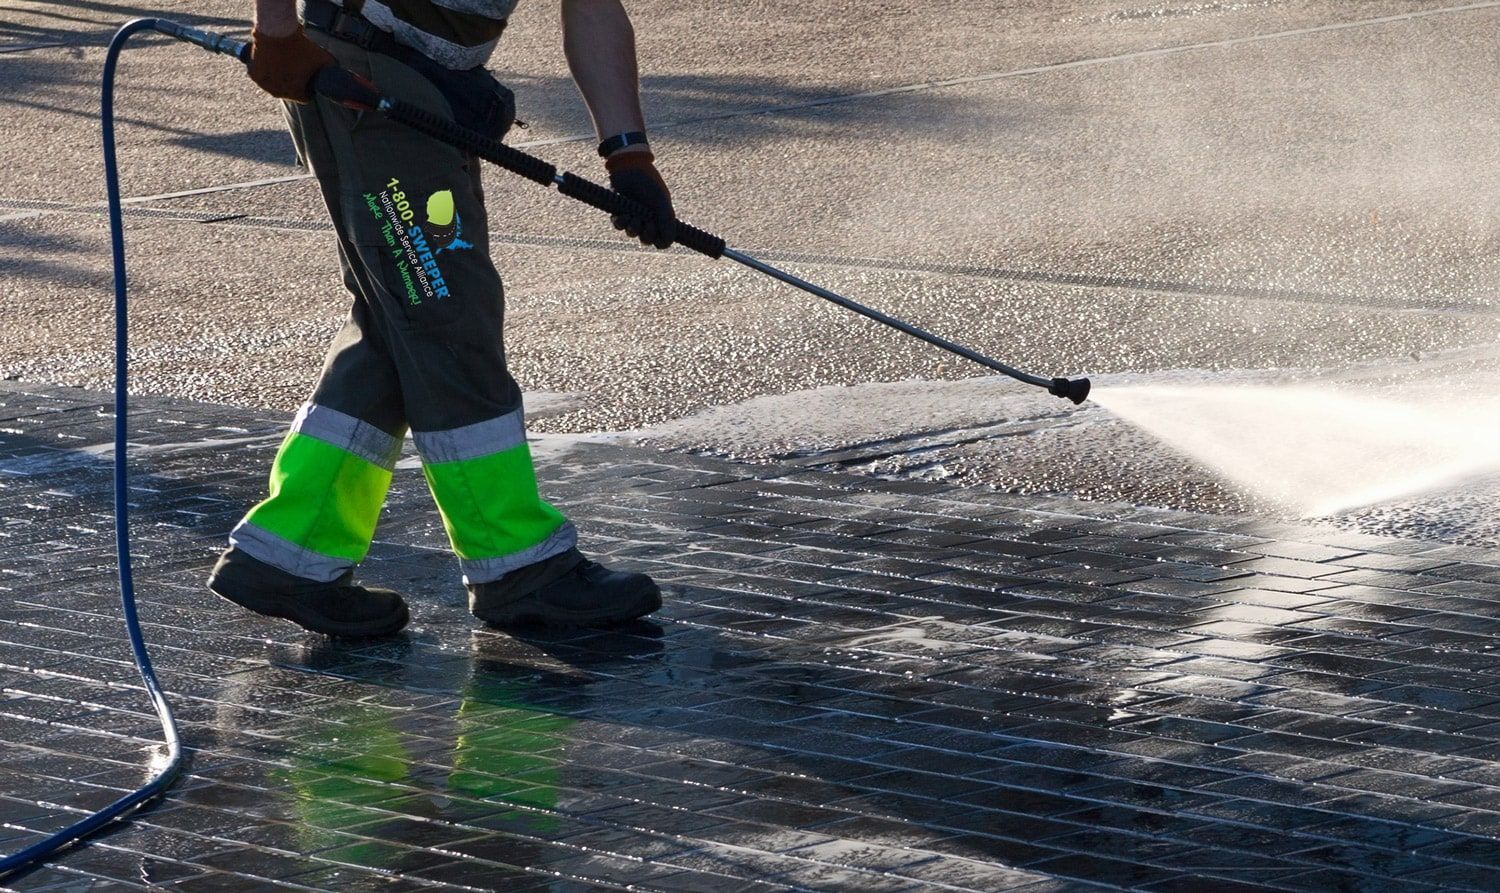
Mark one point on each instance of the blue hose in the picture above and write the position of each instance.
(164, 778)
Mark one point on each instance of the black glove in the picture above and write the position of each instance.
(633, 175)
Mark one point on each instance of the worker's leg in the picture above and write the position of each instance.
(421, 230)
(329, 479)
(413, 215)
(417, 222)
(294, 553)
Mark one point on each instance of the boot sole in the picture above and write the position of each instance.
(528, 613)
(299, 614)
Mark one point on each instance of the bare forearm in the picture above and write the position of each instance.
(600, 45)
(276, 18)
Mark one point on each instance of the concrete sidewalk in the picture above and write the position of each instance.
(855, 684)
(1071, 185)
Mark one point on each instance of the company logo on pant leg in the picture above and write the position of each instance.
(444, 227)
(414, 247)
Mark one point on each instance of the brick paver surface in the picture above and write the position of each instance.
(855, 684)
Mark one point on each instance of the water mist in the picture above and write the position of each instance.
(1317, 451)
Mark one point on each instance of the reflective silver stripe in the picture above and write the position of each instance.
(487, 570)
(348, 433)
(266, 546)
(472, 441)
(444, 52)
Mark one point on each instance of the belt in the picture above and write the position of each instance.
(350, 27)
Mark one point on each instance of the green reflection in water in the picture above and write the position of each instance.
(504, 753)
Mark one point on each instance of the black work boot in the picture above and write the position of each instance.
(339, 608)
(565, 590)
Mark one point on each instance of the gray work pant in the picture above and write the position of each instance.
(422, 348)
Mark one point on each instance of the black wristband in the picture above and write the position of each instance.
(620, 141)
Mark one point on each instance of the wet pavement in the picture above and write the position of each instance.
(854, 684)
(875, 670)
(988, 433)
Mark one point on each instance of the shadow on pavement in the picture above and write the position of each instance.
(31, 253)
(780, 106)
(105, 19)
(265, 145)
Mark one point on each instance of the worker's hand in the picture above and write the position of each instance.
(633, 175)
(284, 65)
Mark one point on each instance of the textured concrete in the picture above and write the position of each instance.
(1082, 186)
(854, 685)
(1266, 190)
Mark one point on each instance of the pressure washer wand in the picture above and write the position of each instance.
(355, 92)
(1076, 390)
(341, 85)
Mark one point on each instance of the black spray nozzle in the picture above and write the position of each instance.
(214, 43)
(1076, 389)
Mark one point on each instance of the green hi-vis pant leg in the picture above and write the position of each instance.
(327, 485)
(482, 479)
(422, 349)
